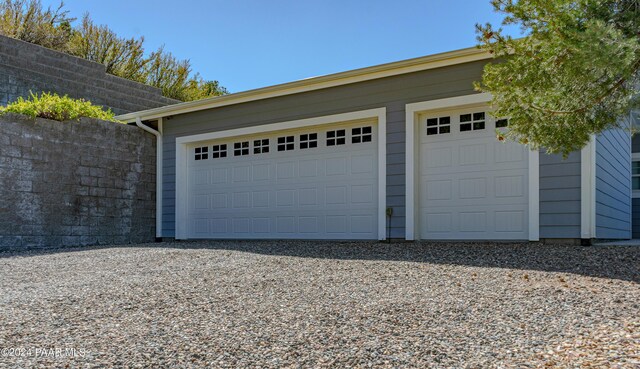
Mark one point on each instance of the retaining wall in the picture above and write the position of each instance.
(26, 67)
(75, 183)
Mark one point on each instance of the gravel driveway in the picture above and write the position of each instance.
(322, 304)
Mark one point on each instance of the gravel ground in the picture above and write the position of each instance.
(322, 304)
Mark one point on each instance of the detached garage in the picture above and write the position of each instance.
(404, 150)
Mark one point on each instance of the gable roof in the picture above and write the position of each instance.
(331, 80)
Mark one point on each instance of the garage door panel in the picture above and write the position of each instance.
(510, 185)
(470, 185)
(509, 152)
(323, 192)
(260, 172)
(219, 176)
(362, 224)
(472, 154)
(510, 220)
(473, 221)
(358, 196)
(510, 189)
(309, 169)
(474, 202)
(337, 226)
(506, 221)
(472, 188)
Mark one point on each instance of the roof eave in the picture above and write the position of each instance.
(357, 75)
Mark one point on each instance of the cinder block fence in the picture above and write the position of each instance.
(26, 67)
(74, 183)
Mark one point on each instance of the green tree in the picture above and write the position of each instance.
(576, 73)
(168, 73)
(26, 20)
(174, 77)
(198, 88)
(122, 57)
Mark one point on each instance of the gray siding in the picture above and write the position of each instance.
(560, 196)
(392, 93)
(613, 184)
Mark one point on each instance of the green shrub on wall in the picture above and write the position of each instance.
(55, 107)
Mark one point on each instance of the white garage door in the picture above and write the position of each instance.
(311, 183)
(471, 186)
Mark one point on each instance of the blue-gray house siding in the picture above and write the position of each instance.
(613, 184)
(560, 196)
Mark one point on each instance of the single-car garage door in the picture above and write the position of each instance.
(471, 186)
(316, 182)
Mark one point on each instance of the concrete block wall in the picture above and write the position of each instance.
(26, 67)
(75, 183)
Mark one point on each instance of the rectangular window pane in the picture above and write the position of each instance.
(635, 181)
(635, 167)
(501, 123)
(478, 116)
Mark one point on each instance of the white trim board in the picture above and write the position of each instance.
(182, 154)
(411, 195)
(588, 190)
(159, 179)
(534, 195)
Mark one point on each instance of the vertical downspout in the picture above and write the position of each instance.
(158, 135)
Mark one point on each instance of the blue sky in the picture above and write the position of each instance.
(248, 44)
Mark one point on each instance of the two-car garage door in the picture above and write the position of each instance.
(317, 182)
(323, 182)
(470, 185)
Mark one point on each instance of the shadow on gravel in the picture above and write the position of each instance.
(616, 262)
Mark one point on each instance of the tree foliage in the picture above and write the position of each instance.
(576, 73)
(124, 57)
(26, 20)
(175, 78)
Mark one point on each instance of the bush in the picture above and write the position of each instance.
(52, 106)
